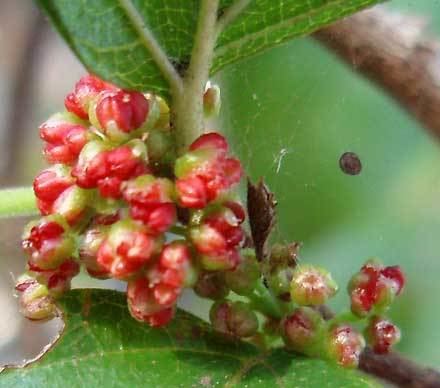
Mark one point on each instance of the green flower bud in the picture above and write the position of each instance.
(311, 285)
(242, 279)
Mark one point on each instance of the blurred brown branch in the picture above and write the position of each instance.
(391, 50)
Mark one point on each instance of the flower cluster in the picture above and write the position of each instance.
(108, 206)
(119, 203)
(371, 292)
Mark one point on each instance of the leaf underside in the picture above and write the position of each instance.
(102, 36)
(103, 346)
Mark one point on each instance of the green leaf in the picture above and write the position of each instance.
(103, 346)
(107, 41)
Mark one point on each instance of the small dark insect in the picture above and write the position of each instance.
(350, 163)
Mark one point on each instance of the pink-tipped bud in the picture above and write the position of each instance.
(86, 89)
(158, 218)
(143, 306)
(192, 192)
(126, 250)
(344, 345)
(382, 334)
(151, 202)
(311, 285)
(205, 172)
(235, 319)
(65, 136)
(374, 288)
(119, 113)
(148, 190)
(212, 141)
(173, 272)
(92, 165)
(47, 242)
(51, 182)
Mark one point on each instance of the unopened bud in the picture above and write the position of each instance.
(382, 334)
(233, 318)
(242, 279)
(211, 100)
(311, 285)
(211, 285)
(344, 345)
(302, 330)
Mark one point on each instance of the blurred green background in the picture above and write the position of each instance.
(290, 112)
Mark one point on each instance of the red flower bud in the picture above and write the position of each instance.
(126, 249)
(374, 288)
(120, 112)
(205, 172)
(86, 89)
(92, 165)
(51, 182)
(173, 272)
(192, 192)
(150, 201)
(65, 136)
(382, 334)
(143, 306)
(148, 190)
(47, 243)
(212, 140)
(344, 345)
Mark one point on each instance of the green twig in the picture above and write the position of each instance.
(188, 105)
(17, 202)
(263, 301)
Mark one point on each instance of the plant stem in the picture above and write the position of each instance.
(230, 14)
(263, 301)
(17, 202)
(188, 103)
(150, 42)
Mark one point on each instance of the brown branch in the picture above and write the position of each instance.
(390, 49)
(394, 368)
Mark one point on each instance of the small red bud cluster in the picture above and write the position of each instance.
(108, 207)
(371, 291)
